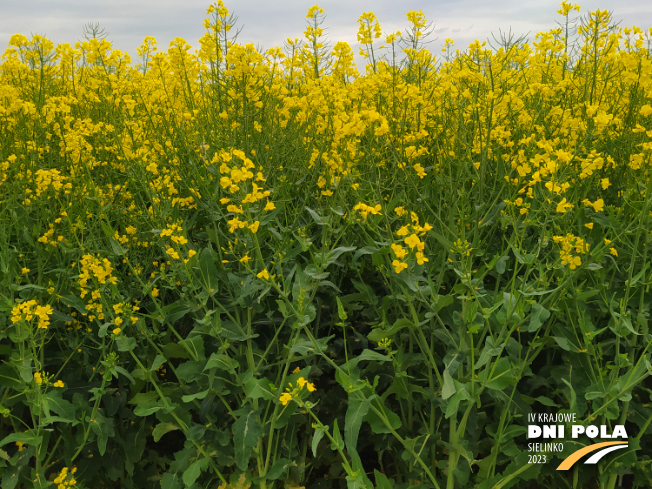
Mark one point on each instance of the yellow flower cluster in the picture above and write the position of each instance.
(92, 266)
(570, 243)
(28, 310)
(294, 392)
(53, 178)
(66, 480)
(411, 233)
(41, 378)
(365, 209)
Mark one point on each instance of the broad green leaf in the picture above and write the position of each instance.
(319, 220)
(369, 355)
(189, 371)
(501, 264)
(257, 388)
(149, 407)
(246, 431)
(453, 402)
(9, 378)
(382, 482)
(502, 375)
(103, 429)
(170, 481)
(195, 346)
(379, 334)
(222, 362)
(125, 343)
(156, 364)
(307, 347)
(60, 406)
(319, 434)
(336, 253)
(355, 413)
(163, 428)
(28, 438)
(489, 351)
(277, 470)
(448, 388)
(378, 426)
(198, 395)
(124, 372)
(546, 401)
(208, 270)
(191, 474)
(538, 316)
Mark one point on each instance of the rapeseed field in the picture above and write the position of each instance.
(226, 267)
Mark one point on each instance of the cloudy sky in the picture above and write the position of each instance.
(269, 23)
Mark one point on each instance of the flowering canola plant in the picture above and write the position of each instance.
(178, 228)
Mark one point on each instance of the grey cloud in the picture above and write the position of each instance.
(268, 24)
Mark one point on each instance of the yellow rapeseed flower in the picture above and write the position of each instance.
(285, 398)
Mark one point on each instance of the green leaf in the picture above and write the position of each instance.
(246, 431)
(489, 351)
(173, 312)
(163, 428)
(365, 250)
(189, 371)
(280, 466)
(319, 220)
(208, 271)
(502, 375)
(501, 264)
(124, 372)
(382, 482)
(195, 432)
(60, 406)
(125, 343)
(563, 342)
(378, 426)
(24, 367)
(546, 401)
(537, 317)
(149, 407)
(9, 378)
(75, 302)
(257, 388)
(191, 474)
(340, 310)
(336, 253)
(319, 434)
(449, 386)
(28, 438)
(453, 403)
(307, 347)
(594, 391)
(103, 429)
(170, 481)
(198, 395)
(222, 362)
(338, 443)
(369, 355)
(355, 413)
(379, 334)
(156, 364)
(195, 346)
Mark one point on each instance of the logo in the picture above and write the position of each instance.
(548, 427)
(607, 447)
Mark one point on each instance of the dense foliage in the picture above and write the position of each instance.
(234, 268)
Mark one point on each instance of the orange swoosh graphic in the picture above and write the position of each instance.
(575, 456)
